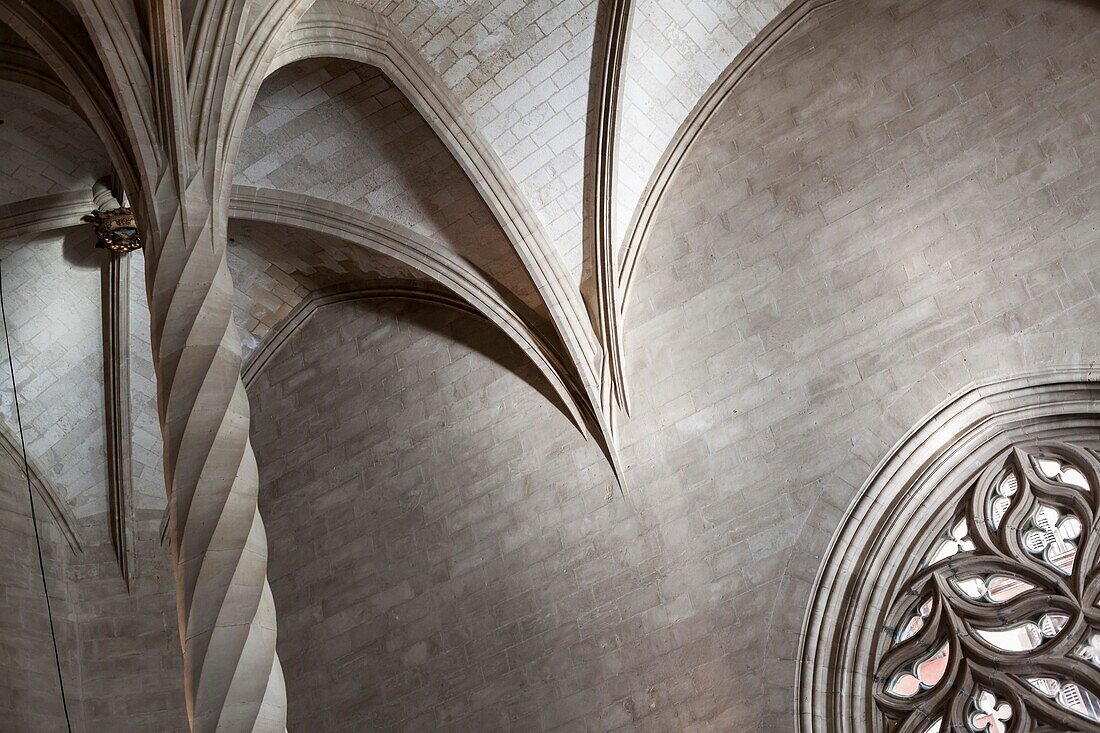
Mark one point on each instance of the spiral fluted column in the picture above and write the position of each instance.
(233, 679)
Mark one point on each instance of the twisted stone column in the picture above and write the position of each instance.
(233, 679)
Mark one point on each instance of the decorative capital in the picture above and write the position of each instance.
(116, 230)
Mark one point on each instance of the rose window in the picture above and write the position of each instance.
(998, 629)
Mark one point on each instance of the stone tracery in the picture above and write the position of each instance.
(994, 630)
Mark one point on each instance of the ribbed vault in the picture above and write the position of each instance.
(275, 268)
(827, 186)
(45, 148)
(51, 279)
(340, 131)
(521, 72)
(676, 51)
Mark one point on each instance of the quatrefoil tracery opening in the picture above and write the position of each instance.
(998, 630)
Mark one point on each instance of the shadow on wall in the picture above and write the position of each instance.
(404, 468)
(340, 130)
(849, 242)
(79, 250)
(465, 329)
(484, 338)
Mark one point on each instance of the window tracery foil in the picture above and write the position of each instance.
(998, 631)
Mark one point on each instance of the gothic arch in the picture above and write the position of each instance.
(416, 251)
(337, 31)
(909, 497)
(640, 217)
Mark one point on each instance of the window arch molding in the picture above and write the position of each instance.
(909, 497)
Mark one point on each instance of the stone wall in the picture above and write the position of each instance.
(30, 698)
(341, 131)
(119, 648)
(900, 200)
(131, 668)
(676, 50)
(45, 147)
(53, 301)
(275, 268)
(414, 488)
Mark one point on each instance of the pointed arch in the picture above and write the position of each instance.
(353, 33)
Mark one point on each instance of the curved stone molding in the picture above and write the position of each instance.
(341, 31)
(634, 239)
(115, 32)
(420, 253)
(297, 318)
(600, 174)
(265, 34)
(382, 290)
(45, 213)
(57, 505)
(21, 66)
(115, 297)
(71, 54)
(909, 492)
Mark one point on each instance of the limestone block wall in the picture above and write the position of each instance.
(29, 697)
(900, 200)
(147, 462)
(130, 666)
(429, 517)
(52, 295)
(120, 648)
(275, 268)
(677, 49)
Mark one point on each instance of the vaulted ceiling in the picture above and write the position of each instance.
(340, 131)
(464, 133)
(502, 159)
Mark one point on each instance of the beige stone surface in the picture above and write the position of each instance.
(676, 51)
(29, 698)
(866, 229)
(341, 131)
(131, 671)
(898, 201)
(897, 204)
(276, 268)
(520, 70)
(147, 459)
(52, 296)
(120, 658)
(44, 147)
(226, 616)
(413, 432)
